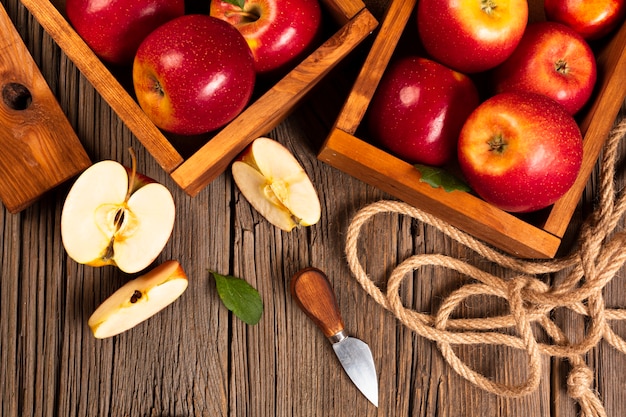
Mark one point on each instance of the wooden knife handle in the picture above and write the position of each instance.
(312, 291)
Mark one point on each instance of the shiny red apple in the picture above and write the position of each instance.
(471, 36)
(520, 151)
(592, 19)
(279, 32)
(418, 110)
(551, 59)
(113, 29)
(193, 74)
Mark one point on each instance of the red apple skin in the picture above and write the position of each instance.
(419, 108)
(551, 59)
(279, 32)
(468, 35)
(592, 19)
(113, 29)
(539, 156)
(193, 74)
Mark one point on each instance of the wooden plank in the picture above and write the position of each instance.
(39, 148)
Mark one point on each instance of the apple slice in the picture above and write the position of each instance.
(276, 185)
(115, 217)
(139, 300)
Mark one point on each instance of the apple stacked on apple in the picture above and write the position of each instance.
(471, 36)
(193, 74)
(138, 300)
(520, 151)
(279, 32)
(114, 216)
(551, 59)
(591, 19)
(419, 108)
(113, 29)
(275, 184)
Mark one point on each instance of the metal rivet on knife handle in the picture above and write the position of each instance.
(313, 292)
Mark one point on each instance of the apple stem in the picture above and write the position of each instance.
(246, 16)
(488, 6)
(561, 66)
(133, 174)
(497, 144)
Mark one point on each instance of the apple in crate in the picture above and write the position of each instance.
(139, 300)
(520, 151)
(419, 108)
(551, 59)
(193, 74)
(471, 36)
(113, 29)
(275, 184)
(591, 19)
(279, 32)
(114, 216)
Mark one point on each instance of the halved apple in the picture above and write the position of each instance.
(276, 185)
(139, 300)
(114, 216)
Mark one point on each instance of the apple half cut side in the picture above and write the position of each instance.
(138, 300)
(113, 217)
(275, 184)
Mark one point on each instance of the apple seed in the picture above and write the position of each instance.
(135, 297)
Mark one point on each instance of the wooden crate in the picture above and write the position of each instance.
(352, 23)
(539, 237)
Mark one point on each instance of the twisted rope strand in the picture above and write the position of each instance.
(601, 253)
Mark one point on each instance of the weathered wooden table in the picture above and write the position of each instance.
(196, 359)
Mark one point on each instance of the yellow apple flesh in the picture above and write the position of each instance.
(276, 185)
(103, 224)
(139, 300)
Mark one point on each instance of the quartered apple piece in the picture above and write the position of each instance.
(115, 217)
(139, 300)
(276, 185)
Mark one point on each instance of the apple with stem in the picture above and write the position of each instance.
(193, 74)
(138, 300)
(551, 59)
(419, 108)
(591, 19)
(279, 32)
(520, 151)
(113, 29)
(471, 36)
(114, 216)
(275, 184)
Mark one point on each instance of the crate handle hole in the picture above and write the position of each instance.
(16, 96)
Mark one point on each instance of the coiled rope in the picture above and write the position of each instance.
(599, 255)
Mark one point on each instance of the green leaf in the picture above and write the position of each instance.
(239, 3)
(239, 297)
(440, 178)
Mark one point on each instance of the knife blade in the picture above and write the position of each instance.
(314, 295)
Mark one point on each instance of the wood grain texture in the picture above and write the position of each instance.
(196, 359)
(39, 148)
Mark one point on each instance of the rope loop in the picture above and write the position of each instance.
(598, 257)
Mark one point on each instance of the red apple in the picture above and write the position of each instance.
(551, 59)
(279, 32)
(520, 151)
(419, 108)
(193, 74)
(113, 29)
(592, 19)
(471, 36)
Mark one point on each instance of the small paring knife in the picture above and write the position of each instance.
(312, 291)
